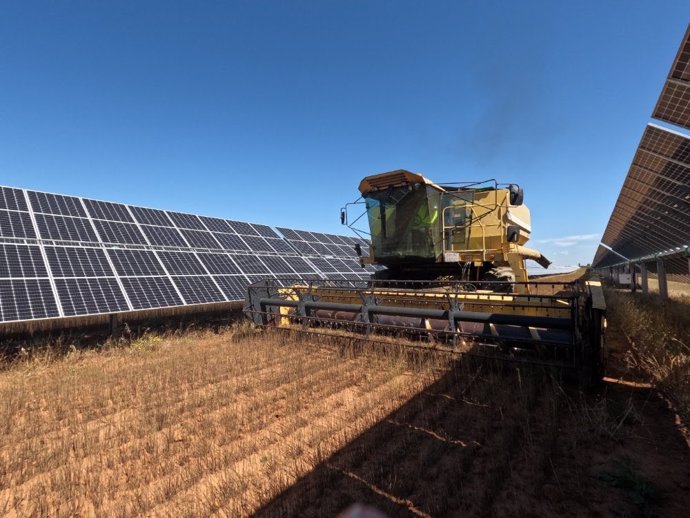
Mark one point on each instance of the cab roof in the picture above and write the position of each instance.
(397, 178)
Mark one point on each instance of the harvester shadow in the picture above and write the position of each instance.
(484, 430)
(423, 458)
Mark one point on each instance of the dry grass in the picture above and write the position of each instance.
(676, 289)
(185, 426)
(660, 337)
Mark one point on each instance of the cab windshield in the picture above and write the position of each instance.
(404, 223)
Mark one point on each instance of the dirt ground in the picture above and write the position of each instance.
(486, 441)
(187, 426)
(233, 425)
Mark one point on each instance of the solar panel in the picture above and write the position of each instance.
(257, 278)
(231, 242)
(319, 237)
(135, 262)
(338, 240)
(322, 265)
(674, 102)
(90, 296)
(257, 244)
(151, 217)
(69, 261)
(151, 292)
(341, 266)
(63, 228)
(12, 199)
(280, 246)
(250, 264)
(216, 224)
(233, 286)
(200, 239)
(16, 224)
(181, 263)
(242, 228)
(189, 221)
(276, 264)
(121, 233)
(317, 244)
(355, 266)
(320, 248)
(347, 250)
(56, 204)
(219, 264)
(198, 290)
(304, 248)
(21, 261)
(265, 231)
(299, 265)
(305, 235)
(164, 236)
(109, 211)
(26, 299)
(289, 233)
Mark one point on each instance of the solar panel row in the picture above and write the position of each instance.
(652, 213)
(651, 218)
(68, 218)
(316, 244)
(64, 256)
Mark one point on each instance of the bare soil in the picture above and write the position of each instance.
(486, 441)
(192, 426)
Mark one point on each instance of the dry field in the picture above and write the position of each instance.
(185, 426)
(233, 424)
(676, 290)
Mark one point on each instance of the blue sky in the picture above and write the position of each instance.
(273, 111)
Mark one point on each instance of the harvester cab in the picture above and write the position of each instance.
(421, 230)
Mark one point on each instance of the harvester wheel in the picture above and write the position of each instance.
(594, 357)
(502, 278)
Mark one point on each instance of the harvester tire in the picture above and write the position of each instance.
(594, 359)
(502, 278)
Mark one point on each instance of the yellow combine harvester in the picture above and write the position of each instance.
(455, 276)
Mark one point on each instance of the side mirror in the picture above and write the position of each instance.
(343, 216)
(517, 196)
(358, 249)
(513, 234)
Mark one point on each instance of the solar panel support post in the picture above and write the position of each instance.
(115, 325)
(645, 283)
(661, 273)
(633, 277)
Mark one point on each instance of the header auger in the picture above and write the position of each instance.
(454, 276)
